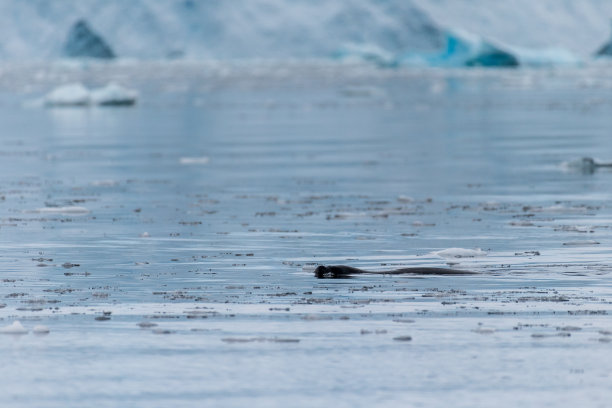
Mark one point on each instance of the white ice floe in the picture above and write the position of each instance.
(404, 199)
(63, 210)
(460, 253)
(194, 160)
(581, 243)
(68, 95)
(15, 328)
(113, 95)
(40, 329)
(77, 94)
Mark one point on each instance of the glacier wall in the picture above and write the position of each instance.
(248, 29)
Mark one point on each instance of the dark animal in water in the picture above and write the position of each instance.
(342, 271)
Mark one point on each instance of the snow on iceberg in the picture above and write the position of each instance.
(114, 95)
(82, 41)
(544, 57)
(78, 95)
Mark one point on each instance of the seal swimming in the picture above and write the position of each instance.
(343, 271)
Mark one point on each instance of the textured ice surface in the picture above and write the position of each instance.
(216, 305)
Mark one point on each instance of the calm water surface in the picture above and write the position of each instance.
(203, 210)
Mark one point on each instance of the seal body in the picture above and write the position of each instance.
(343, 271)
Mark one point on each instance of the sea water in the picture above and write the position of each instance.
(168, 247)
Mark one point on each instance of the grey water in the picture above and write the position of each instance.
(169, 246)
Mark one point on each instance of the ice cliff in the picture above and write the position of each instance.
(386, 32)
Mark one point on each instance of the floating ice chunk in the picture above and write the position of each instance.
(15, 328)
(114, 95)
(40, 329)
(581, 243)
(404, 199)
(68, 95)
(63, 210)
(587, 165)
(194, 160)
(460, 253)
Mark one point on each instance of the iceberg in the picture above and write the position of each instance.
(77, 94)
(466, 50)
(82, 41)
(68, 95)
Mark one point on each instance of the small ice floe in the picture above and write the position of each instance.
(404, 199)
(114, 95)
(68, 95)
(40, 329)
(403, 338)
(194, 160)
(581, 243)
(15, 328)
(77, 94)
(460, 253)
(73, 210)
(586, 165)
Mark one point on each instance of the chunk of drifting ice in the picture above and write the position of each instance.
(581, 243)
(78, 95)
(40, 329)
(15, 328)
(114, 95)
(68, 95)
(194, 160)
(460, 253)
(63, 210)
